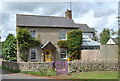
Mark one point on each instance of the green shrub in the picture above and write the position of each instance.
(62, 43)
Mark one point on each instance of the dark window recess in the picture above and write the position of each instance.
(63, 53)
(33, 54)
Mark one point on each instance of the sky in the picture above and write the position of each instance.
(95, 14)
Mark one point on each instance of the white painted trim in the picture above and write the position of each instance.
(110, 41)
(30, 55)
(45, 44)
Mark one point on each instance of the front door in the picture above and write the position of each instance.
(48, 56)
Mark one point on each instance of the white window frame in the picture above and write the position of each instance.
(31, 30)
(62, 36)
(31, 54)
(63, 53)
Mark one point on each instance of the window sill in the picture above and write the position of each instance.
(64, 58)
(33, 59)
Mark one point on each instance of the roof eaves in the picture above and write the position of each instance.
(48, 26)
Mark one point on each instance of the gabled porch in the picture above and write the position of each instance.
(49, 52)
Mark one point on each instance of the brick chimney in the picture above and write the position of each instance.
(68, 14)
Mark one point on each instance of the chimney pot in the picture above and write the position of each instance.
(68, 14)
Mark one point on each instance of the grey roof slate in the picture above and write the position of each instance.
(49, 21)
(115, 40)
(44, 21)
(85, 28)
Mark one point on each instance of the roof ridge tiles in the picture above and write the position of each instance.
(40, 15)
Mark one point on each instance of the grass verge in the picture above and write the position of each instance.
(95, 75)
(82, 76)
(51, 72)
(8, 69)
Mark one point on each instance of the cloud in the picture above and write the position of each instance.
(88, 18)
(103, 11)
(22, 6)
(112, 22)
(95, 14)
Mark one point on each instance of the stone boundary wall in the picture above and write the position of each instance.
(74, 66)
(93, 65)
(28, 66)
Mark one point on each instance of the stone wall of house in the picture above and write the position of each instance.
(73, 66)
(52, 35)
(93, 65)
(44, 35)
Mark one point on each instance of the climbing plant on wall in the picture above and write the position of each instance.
(62, 44)
(74, 41)
(25, 41)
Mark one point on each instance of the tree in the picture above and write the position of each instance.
(104, 35)
(25, 41)
(112, 32)
(9, 48)
(74, 41)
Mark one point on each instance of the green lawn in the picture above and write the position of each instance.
(95, 75)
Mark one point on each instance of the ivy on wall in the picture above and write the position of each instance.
(73, 44)
(62, 43)
(25, 41)
(74, 41)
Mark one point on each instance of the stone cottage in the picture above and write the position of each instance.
(50, 29)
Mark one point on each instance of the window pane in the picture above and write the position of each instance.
(32, 33)
(33, 54)
(62, 35)
(63, 55)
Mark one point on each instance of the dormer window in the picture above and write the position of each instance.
(62, 34)
(33, 33)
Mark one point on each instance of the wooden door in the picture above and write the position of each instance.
(48, 56)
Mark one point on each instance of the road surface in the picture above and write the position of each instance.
(10, 75)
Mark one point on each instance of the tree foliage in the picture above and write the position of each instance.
(104, 35)
(74, 41)
(25, 41)
(9, 48)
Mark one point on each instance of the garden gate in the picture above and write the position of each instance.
(61, 67)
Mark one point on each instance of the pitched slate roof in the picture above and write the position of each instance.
(44, 21)
(85, 28)
(115, 40)
(49, 21)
